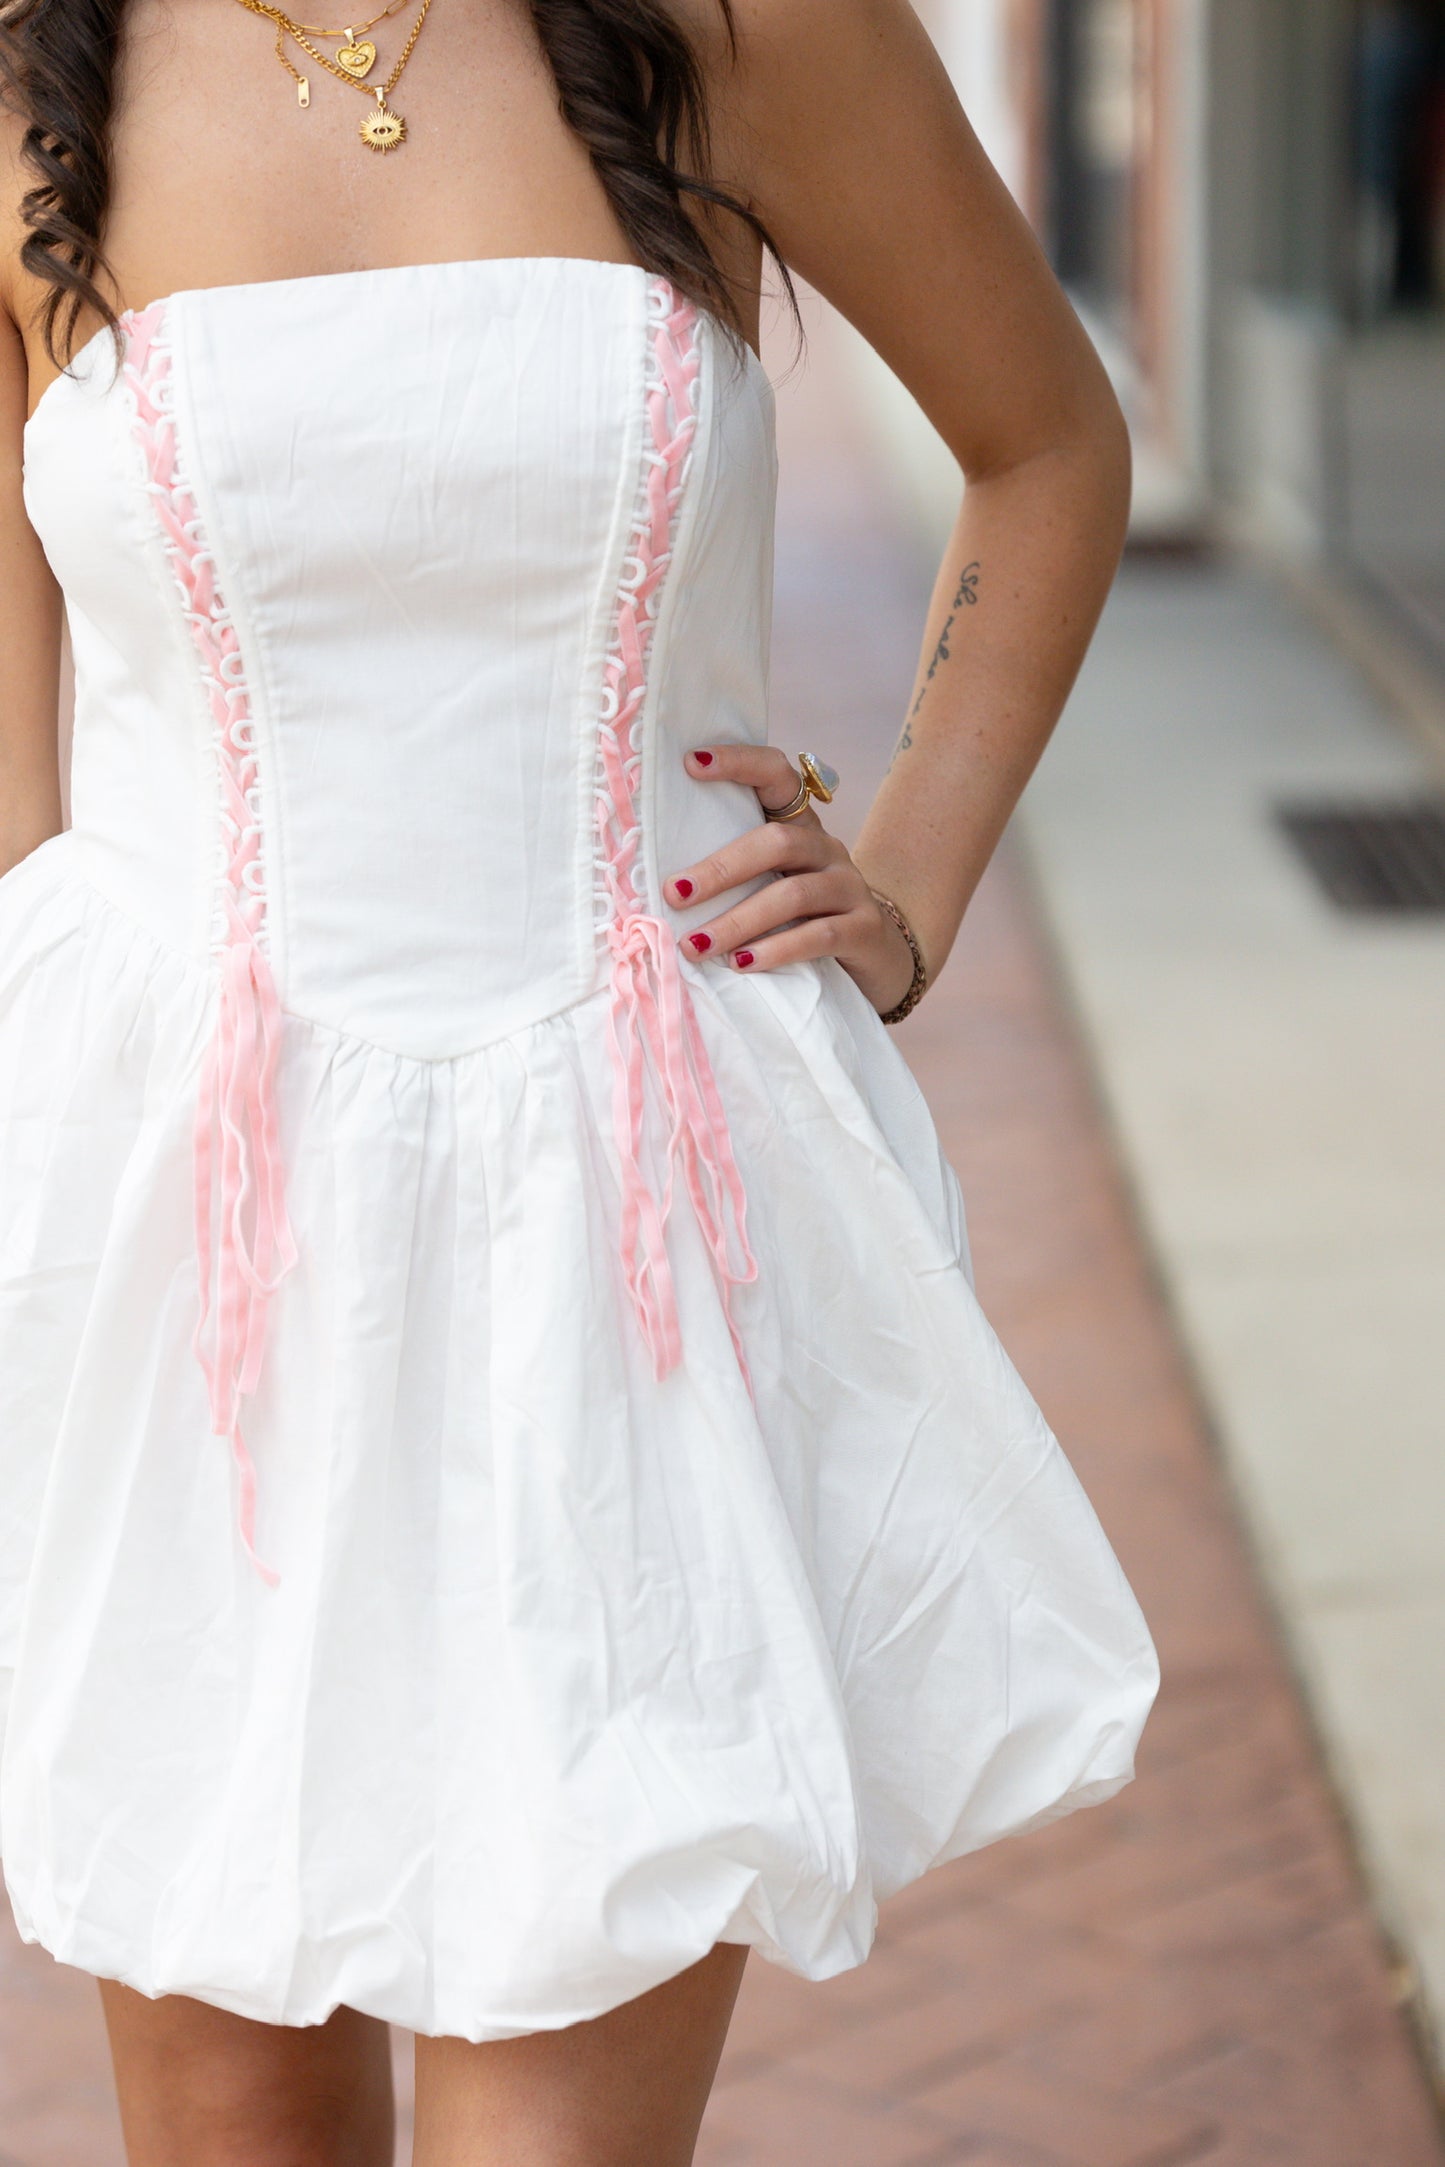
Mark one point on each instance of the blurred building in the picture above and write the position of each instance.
(1246, 199)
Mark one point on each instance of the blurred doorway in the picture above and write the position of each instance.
(1099, 123)
(1393, 392)
(1398, 68)
(1112, 89)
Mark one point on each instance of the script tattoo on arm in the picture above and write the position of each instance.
(966, 598)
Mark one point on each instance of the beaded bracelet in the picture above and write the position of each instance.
(918, 984)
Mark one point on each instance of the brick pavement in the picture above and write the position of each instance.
(1189, 1975)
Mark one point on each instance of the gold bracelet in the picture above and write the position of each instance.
(918, 984)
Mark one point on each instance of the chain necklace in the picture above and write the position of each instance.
(352, 32)
(382, 130)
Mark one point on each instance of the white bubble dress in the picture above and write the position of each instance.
(504, 1481)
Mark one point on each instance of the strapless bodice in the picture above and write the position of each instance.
(416, 492)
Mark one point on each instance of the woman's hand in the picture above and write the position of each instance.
(817, 893)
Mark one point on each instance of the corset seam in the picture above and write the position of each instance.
(662, 1074)
(244, 867)
(654, 740)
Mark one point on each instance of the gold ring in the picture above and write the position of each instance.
(819, 781)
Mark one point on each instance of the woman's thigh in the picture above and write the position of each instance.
(201, 2088)
(626, 2088)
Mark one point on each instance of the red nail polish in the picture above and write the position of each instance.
(684, 888)
(743, 958)
(700, 941)
(703, 759)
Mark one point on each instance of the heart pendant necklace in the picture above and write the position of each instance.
(357, 55)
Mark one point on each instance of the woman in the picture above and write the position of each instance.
(507, 1498)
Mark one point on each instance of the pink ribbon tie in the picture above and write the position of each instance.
(240, 1209)
(652, 1019)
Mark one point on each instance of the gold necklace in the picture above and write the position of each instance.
(381, 130)
(358, 54)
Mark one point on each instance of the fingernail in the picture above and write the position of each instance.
(743, 958)
(684, 888)
(700, 941)
(703, 759)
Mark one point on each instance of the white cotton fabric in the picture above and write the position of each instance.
(570, 1672)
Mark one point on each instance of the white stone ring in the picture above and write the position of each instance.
(819, 781)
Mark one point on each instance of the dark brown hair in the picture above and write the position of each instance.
(628, 83)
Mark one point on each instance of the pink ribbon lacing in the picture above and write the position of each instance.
(652, 1022)
(240, 1208)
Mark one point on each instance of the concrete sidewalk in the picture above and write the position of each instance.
(1189, 1977)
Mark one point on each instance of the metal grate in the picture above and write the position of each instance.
(1373, 859)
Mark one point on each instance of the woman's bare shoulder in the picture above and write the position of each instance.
(796, 83)
(757, 41)
(819, 21)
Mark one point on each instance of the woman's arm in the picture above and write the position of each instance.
(847, 137)
(29, 630)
